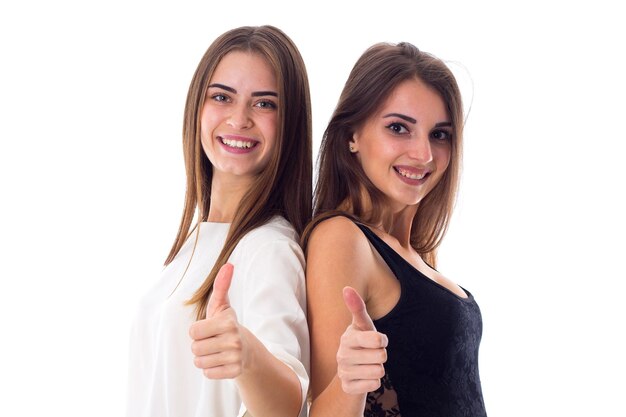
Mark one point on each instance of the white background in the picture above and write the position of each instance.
(92, 182)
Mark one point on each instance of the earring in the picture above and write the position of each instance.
(352, 149)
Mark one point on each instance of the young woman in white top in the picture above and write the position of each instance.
(223, 332)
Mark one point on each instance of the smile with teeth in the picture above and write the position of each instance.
(239, 144)
(411, 175)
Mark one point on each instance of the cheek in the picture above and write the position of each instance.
(378, 152)
(208, 124)
(374, 161)
(270, 128)
(210, 117)
(442, 157)
(442, 162)
(205, 123)
(205, 136)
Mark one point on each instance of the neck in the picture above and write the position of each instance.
(396, 221)
(399, 224)
(226, 194)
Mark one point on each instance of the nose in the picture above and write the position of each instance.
(239, 117)
(420, 149)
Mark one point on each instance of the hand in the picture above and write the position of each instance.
(361, 351)
(218, 345)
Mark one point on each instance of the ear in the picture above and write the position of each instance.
(353, 143)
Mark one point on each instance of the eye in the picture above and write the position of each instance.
(397, 128)
(219, 97)
(266, 104)
(441, 135)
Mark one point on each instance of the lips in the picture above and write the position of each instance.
(411, 173)
(237, 142)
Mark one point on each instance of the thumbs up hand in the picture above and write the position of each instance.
(218, 344)
(361, 351)
(218, 301)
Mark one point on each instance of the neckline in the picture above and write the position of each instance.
(467, 299)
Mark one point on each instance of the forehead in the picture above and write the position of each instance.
(246, 69)
(417, 99)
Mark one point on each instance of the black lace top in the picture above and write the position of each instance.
(432, 364)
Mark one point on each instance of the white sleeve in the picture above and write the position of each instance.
(275, 304)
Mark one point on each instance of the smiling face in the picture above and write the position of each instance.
(239, 118)
(404, 148)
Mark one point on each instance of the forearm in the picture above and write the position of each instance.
(333, 401)
(267, 386)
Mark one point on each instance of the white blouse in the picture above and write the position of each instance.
(269, 298)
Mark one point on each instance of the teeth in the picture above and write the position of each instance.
(237, 143)
(410, 175)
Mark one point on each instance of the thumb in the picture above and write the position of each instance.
(360, 319)
(218, 300)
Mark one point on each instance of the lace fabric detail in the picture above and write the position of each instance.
(383, 402)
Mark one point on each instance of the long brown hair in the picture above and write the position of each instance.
(284, 187)
(342, 181)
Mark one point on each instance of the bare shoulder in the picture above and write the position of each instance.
(337, 233)
(337, 246)
(335, 227)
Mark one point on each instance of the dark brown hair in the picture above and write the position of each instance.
(342, 183)
(284, 187)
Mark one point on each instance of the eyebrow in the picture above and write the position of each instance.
(402, 116)
(254, 94)
(264, 93)
(223, 87)
(412, 120)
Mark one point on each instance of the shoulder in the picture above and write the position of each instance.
(338, 232)
(277, 235)
(277, 228)
(339, 251)
(336, 227)
(272, 245)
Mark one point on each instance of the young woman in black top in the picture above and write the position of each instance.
(390, 335)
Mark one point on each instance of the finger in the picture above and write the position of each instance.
(362, 356)
(224, 371)
(360, 386)
(360, 372)
(219, 296)
(360, 319)
(356, 340)
(211, 327)
(217, 359)
(371, 340)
